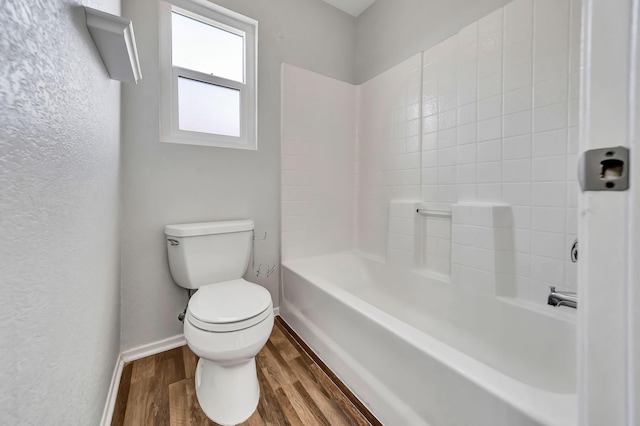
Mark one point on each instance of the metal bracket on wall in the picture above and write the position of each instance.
(605, 169)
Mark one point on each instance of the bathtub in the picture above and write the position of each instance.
(419, 351)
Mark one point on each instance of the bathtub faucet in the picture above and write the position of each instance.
(559, 298)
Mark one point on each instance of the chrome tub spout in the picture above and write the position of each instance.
(562, 298)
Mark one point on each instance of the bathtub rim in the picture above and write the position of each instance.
(561, 313)
(539, 404)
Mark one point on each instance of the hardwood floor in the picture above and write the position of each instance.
(294, 390)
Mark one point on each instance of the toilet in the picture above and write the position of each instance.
(228, 319)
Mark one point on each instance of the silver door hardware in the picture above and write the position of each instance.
(605, 169)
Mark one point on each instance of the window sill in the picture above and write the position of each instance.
(210, 141)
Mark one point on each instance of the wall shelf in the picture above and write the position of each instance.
(113, 36)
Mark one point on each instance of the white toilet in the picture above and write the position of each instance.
(228, 319)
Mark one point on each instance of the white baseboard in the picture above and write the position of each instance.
(162, 345)
(132, 355)
(138, 353)
(153, 348)
(107, 413)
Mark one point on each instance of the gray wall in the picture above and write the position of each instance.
(59, 216)
(391, 31)
(168, 183)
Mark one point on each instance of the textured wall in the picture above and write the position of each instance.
(169, 183)
(391, 31)
(59, 190)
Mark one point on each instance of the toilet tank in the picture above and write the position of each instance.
(208, 252)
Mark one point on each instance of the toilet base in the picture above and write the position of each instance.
(228, 394)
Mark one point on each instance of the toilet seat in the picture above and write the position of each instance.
(229, 306)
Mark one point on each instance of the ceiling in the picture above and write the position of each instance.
(352, 7)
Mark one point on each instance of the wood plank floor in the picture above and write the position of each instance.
(294, 390)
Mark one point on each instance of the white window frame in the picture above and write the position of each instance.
(228, 20)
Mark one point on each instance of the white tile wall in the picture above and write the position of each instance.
(517, 76)
(483, 243)
(435, 240)
(401, 240)
(318, 163)
(486, 116)
(389, 156)
(420, 241)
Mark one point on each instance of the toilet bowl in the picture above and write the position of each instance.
(226, 326)
(228, 319)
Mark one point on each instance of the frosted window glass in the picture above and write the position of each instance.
(208, 108)
(207, 49)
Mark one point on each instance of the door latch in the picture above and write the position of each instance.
(605, 169)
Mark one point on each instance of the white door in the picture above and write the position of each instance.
(609, 228)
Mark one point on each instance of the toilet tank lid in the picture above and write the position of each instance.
(208, 228)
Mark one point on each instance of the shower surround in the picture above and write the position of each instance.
(449, 177)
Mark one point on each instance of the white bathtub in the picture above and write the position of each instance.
(418, 351)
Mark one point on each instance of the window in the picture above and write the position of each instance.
(208, 75)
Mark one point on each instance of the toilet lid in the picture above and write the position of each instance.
(228, 306)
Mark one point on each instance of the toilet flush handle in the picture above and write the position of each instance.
(173, 242)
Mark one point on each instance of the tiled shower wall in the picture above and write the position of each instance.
(500, 116)
(487, 116)
(318, 158)
(388, 150)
